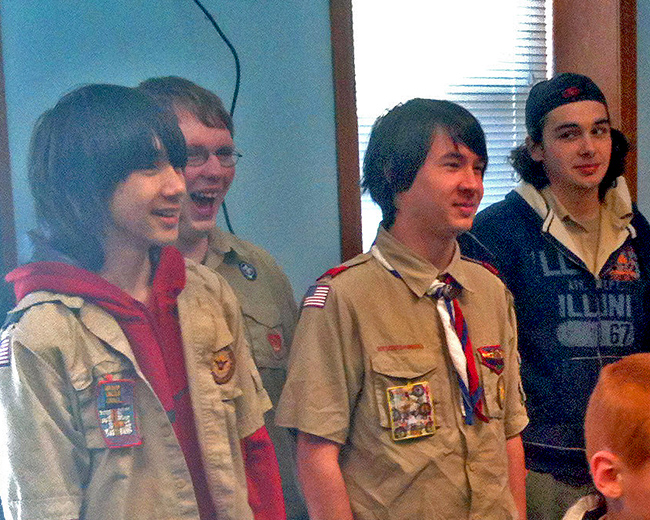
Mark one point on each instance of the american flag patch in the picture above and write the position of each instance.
(5, 351)
(316, 296)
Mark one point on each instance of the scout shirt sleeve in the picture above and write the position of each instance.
(517, 473)
(325, 370)
(45, 462)
(253, 401)
(516, 417)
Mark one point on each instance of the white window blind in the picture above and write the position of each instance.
(482, 55)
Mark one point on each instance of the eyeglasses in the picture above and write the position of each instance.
(199, 156)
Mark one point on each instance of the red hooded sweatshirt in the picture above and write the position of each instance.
(154, 335)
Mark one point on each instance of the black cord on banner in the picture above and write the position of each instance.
(235, 94)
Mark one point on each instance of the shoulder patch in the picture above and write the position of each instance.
(316, 296)
(487, 265)
(334, 271)
(5, 348)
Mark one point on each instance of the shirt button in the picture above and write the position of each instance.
(180, 483)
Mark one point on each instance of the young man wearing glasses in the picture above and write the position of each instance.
(263, 290)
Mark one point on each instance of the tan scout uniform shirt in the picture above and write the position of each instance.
(55, 462)
(270, 316)
(377, 331)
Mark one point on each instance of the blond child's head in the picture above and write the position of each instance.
(617, 434)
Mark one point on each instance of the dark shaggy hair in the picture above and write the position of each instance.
(400, 141)
(94, 138)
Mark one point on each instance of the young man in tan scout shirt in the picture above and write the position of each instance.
(263, 290)
(403, 381)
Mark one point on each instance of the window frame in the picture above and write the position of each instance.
(590, 62)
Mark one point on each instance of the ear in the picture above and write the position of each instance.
(606, 472)
(536, 150)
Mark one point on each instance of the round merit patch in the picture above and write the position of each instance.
(223, 366)
(248, 271)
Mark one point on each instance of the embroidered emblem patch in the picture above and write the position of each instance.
(334, 271)
(5, 349)
(388, 348)
(223, 366)
(492, 357)
(411, 411)
(116, 412)
(316, 296)
(248, 271)
(275, 340)
(501, 392)
(570, 92)
(623, 268)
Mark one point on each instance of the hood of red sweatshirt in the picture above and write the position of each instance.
(135, 319)
(63, 278)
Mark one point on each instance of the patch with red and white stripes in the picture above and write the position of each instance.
(5, 350)
(316, 296)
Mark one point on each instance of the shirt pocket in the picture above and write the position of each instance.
(267, 339)
(86, 386)
(402, 368)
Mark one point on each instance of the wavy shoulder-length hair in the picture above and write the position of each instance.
(534, 173)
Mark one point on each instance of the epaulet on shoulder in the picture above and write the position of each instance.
(335, 271)
(486, 265)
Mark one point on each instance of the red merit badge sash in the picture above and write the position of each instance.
(411, 411)
(116, 412)
(492, 357)
(223, 366)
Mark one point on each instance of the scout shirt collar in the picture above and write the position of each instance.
(616, 206)
(225, 247)
(418, 274)
(95, 319)
(617, 202)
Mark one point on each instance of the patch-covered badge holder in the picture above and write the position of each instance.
(411, 411)
(116, 412)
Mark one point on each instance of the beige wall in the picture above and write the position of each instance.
(598, 38)
(586, 38)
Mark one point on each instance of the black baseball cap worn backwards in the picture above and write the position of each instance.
(560, 90)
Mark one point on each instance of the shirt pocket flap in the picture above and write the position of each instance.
(403, 364)
(399, 368)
